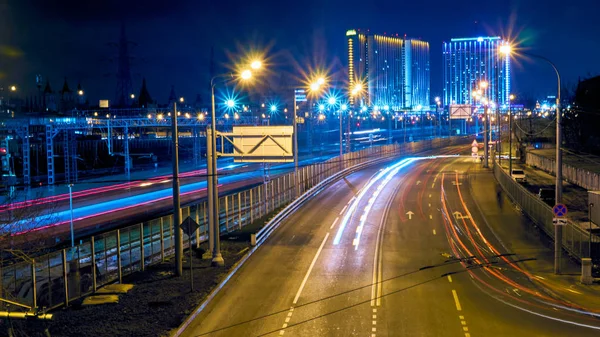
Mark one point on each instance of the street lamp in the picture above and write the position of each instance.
(181, 99)
(510, 118)
(484, 101)
(508, 50)
(211, 139)
(80, 92)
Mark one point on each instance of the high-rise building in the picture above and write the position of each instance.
(468, 61)
(394, 70)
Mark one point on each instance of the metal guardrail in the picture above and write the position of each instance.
(575, 240)
(68, 274)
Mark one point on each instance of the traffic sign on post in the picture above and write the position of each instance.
(560, 210)
(559, 221)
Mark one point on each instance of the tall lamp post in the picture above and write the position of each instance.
(343, 108)
(213, 192)
(507, 50)
(478, 94)
(510, 118)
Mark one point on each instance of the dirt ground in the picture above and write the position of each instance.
(158, 302)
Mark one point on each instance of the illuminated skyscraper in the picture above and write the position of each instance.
(393, 69)
(467, 61)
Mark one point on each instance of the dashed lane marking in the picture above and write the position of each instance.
(334, 222)
(434, 234)
(456, 301)
(343, 209)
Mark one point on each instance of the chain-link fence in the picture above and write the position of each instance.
(575, 240)
(55, 279)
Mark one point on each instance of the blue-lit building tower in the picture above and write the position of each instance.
(394, 70)
(467, 61)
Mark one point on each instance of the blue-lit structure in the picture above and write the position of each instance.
(468, 61)
(394, 70)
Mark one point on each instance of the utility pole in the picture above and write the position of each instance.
(176, 196)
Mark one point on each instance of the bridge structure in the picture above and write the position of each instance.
(112, 126)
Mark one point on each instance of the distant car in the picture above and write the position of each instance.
(546, 195)
(519, 175)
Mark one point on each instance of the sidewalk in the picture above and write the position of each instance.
(516, 232)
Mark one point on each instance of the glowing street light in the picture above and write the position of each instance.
(230, 103)
(273, 108)
(256, 64)
(344, 107)
(321, 107)
(246, 74)
(506, 49)
(80, 92)
(321, 81)
(13, 88)
(132, 96)
(181, 99)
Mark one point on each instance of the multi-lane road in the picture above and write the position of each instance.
(399, 249)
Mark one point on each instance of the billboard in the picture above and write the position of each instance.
(460, 111)
(262, 144)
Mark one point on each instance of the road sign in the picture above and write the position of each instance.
(460, 111)
(560, 210)
(189, 226)
(475, 144)
(474, 149)
(262, 144)
(300, 95)
(559, 221)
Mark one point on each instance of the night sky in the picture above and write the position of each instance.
(173, 38)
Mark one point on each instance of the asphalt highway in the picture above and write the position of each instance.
(398, 249)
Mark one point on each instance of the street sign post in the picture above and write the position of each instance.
(559, 221)
(189, 227)
(560, 210)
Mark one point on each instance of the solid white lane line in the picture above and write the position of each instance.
(334, 222)
(456, 301)
(312, 264)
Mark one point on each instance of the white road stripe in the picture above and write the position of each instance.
(334, 222)
(343, 209)
(312, 264)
